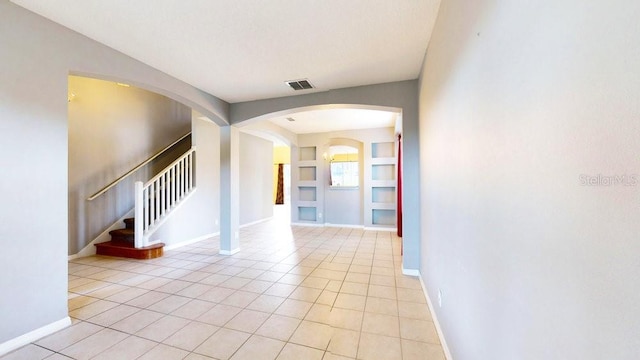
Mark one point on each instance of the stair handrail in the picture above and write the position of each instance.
(153, 157)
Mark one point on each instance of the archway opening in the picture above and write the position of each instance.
(312, 132)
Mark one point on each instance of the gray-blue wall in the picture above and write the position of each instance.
(37, 56)
(522, 104)
(256, 179)
(397, 96)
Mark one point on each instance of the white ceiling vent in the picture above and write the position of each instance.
(302, 84)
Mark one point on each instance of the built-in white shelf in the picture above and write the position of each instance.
(383, 161)
(383, 206)
(307, 183)
(307, 163)
(312, 204)
(383, 183)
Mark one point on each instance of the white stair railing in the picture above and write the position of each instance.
(160, 195)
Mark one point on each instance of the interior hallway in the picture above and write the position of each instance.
(291, 293)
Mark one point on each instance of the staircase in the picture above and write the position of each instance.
(122, 244)
(154, 202)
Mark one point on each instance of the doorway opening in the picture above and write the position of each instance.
(282, 183)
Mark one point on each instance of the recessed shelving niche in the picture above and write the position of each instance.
(307, 173)
(383, 217)
(307, 153)
(384, 195)
(382, 150)
(306, 213)
(383, 172)
(307, 193)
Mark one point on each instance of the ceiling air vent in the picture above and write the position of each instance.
(303, 84)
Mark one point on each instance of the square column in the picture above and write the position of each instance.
(229, 190)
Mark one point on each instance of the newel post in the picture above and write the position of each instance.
(139, 215)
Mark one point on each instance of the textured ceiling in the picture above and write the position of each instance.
(240, 50)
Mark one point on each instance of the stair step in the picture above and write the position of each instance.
(114, 248)
(123, 235)
(130, 223)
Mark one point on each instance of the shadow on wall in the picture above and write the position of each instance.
(112, 129)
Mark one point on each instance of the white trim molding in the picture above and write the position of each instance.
(229, 252)
(307, 224)
(255, 222)
(411, 272)
(373, 228)
(443, 342)
(35, 335)
(347, 226)
(192, 241)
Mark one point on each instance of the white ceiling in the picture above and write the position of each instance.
(240, 50)
(319, 121)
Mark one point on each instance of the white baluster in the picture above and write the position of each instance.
(152, 204)
(157, 193)
(172, 185)
(167, 185)
(163, 188)
(190, 171)
(164, 192)
(145, 205)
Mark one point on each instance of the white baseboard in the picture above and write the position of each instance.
(256, 222)
(411, 272)
(389, 229)
(349, 226)
(104, 236)
(192, 241)
(229, 252)
(443, 342)
(35, 335)
(307, 224)
(344, 226)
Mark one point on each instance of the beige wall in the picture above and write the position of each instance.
(112, 129)
(518, 100)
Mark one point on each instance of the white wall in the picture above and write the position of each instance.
(518, 99)
(112, 129)
(37, 57)
(199, 216)
(256, 179)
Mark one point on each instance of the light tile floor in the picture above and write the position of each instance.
(290, 293)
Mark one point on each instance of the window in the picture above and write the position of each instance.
(344, 173)
(345, 168)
